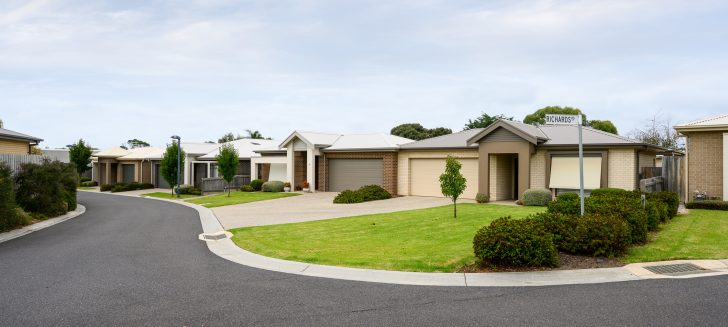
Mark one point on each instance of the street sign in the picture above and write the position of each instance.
(563, 119)
(572, 120)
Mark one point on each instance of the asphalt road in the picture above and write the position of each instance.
(131, 262)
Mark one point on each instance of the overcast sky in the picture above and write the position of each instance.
(109, 71)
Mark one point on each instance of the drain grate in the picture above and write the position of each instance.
(214, 236)
(676, 269)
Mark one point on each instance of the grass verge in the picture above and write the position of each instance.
(237, 197)
(170, 196)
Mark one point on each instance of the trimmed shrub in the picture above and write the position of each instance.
(106, 187)
(608, 191)
(363, 194)
(84, 179)
(516, 243)
(272, 186)
(256, 184)
(600, 235)
(48, 188)
(536, 197)
(482, 198)
(565, 204)
(89, 184)
(247, 188)
(562, 227)
(708, 205)
(8, 215)
(670, 199)
(189, 190)
(625, 204)
(121, 187)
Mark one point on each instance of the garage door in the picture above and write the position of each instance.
(128, 173)
(161, 182)
(425, 177)
(351, 174)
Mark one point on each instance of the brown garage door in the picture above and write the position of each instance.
(351, 174)
(425, 177)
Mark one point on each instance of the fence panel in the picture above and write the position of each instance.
(217, 184)
(15, 160)
(673, 174)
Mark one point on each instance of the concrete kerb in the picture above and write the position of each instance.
(13, 234)
(226, 249)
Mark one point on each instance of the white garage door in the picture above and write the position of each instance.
(351, 174)
(425, 177)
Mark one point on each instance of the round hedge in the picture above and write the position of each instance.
(516, 243)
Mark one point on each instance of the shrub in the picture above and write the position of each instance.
(107, 187)
(562, 228)
(247, 188)
(653, 215)
(363, 194)
(608, 191)
(48, 188)
(121, 187)
(8, 216)
(536, 197)
(84, 179)
(624, 204)
(708, 205)
(256, 184)
(89, 183)
(670, 199)
(272, 186)
(600, 235)
(515, 243)
(482, 198)
(566, 204)
(189, 190)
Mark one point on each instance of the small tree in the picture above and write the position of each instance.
(80, 156)
(452, 182)
(227, 163)
(485, 120)
(168, 165)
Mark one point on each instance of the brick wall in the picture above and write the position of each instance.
(299, 172)
(705, 162)
(538, 169)
(389, 174)
(622, 170)
(403, 172)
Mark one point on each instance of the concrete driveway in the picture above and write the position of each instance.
(314, 206)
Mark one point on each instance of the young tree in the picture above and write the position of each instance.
(452, 182)
(168, 165)
(227, 163)
(414, 131)
(659, 132)
(485, 120)
(80, 156)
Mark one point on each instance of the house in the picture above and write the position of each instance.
(12, 142)
(205, 166)
(507, 158)
(332, 162)
(706, 142)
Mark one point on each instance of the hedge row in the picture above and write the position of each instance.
(363, 194)
(123, 187)
(708, 204)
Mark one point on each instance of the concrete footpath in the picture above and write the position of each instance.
(219, 243)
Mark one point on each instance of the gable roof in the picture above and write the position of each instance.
(199, 148)
(114, 152)
(529, 133)
(313, 139)
(378, 141)
(246, 148)
(449, 141)
(146, 153)
(710, 123)
(8, 134)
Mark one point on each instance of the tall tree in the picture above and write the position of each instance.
(603, 125)
(484, 121)
(168, 165)
(538, 117)
(136, 143)
(417, 132)
(254, 134)
(227, 163)
(79, 154)
(659, 132)
(452, 182)
(229, 137)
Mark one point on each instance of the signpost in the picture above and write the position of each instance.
(572, 120)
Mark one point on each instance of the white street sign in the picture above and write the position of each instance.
(563, 119)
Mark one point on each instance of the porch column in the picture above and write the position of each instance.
(108, 172)
(208, 170)
(290, 163)
(484, 172)
(311, 169)
(253, 170)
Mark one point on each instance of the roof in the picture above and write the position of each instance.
(146, 153)
(246, 148)
(199, 148)
(8, 134)
(454, 140)
(112, 153)
(710, 123)
(314, 139)
(378, 141)
(568, 135)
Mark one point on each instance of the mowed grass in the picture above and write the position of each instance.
(426, 240)
(701, 234)
(165, 195)
(238, 197)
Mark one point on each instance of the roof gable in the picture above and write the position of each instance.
(529, 133)
(710, 123)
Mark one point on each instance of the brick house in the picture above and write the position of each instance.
(707, 166)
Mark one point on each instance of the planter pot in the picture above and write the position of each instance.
(286, 189)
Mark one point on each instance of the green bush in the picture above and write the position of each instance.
(48, 188)
(608, 191)
(22, 217)
(84, 179)
(516, 243)
(121, 187)
(256, 184)
(670, 199)
(536, 197)
(8, 216)
(482, 198)
(708, 205)
(89, 184)
(565, 204)
(363, 194)
(107, 187)
(189, 190)
(562, 228)
(272, 186)
(247, 188)
(600, 235)
(625, 204)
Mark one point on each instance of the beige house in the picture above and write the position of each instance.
(508, 158)
(118, 165)
(12, 142)
(706, 143)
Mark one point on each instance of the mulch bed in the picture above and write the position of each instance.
(566, 262)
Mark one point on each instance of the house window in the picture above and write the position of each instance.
(565, 173)
(213, 170)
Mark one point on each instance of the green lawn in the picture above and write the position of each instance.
(169, 195)
(237, 197)
(702, 234)
(86, 188)
(426, 240)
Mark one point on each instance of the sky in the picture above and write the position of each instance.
(110, 71)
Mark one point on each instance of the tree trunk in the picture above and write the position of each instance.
(455, 209)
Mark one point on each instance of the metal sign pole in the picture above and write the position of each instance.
(581, 170)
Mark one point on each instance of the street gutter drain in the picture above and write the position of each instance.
(214, 236)
(677, 269)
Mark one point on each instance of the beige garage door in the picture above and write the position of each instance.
(425, 177)
(351, 174)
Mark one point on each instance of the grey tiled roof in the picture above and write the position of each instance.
(454, 140)
(6, 133)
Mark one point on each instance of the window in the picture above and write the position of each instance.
(565, 173)
(213, 170)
